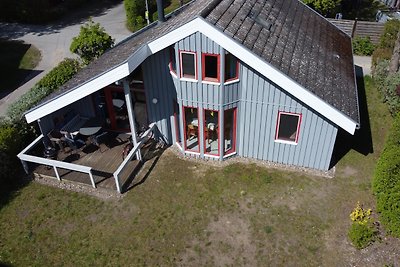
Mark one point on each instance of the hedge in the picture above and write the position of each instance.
(362, 46)
(48, 84)
(386, 181)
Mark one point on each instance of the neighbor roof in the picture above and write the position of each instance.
(284, 34)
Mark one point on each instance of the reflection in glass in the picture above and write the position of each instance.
(191, 129)
(211, 132)
(229, 131)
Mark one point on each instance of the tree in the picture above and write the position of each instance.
(91, 42)
(324, 7)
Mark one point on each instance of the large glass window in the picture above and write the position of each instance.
(288, 127)
(188, 65)
(191, 120)
(231, 67)
(211, 136)
(211, 67)
(229, 131)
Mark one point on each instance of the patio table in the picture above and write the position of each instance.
(91, 127)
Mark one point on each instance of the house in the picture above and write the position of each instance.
(263, 79)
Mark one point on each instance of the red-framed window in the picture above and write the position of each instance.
(188, 64)
(191, 129)
(172, 59)
(210, 67)
(288, 127)
(211, 132)
(231, 67)
(230, 118)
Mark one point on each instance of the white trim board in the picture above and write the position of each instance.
(238, 50)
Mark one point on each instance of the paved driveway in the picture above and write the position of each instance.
(54, 40)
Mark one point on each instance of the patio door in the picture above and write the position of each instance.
(116, 107)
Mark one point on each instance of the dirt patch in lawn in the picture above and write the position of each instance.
(228, 243)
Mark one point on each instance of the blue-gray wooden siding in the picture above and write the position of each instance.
(84, 107)
(260, 102)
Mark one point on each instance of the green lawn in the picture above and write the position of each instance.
(17, 61)
(192, 214)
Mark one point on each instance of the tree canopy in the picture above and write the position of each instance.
(324, 7)
(91, 42)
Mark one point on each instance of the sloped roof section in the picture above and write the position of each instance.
(295, 40)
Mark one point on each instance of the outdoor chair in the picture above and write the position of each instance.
(74, 144)
(56, 137)
(101, 138)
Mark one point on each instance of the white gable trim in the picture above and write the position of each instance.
(242, 53)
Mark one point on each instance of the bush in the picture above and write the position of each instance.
(386, 181)
(363, 46)
(48, 84)
(135, 13)
(362, 232)
(381, 54)
(361, 235)
(389, 35)
(91, 42)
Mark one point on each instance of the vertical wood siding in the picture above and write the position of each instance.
(260, 102)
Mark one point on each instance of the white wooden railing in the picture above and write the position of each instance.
(24, 157)
(141, 141)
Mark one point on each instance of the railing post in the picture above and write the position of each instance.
(117, 183)
(57, 175)
(91, 179)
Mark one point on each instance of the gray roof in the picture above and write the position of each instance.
(285, 33)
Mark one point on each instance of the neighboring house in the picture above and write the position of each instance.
(269, 80)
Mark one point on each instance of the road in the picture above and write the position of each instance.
(54, 40)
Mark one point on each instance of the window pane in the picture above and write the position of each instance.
(188, 65)
(288, 127)
(211, 67)
(230, 67)
(211, 132)
(229, 131)
(191, 129)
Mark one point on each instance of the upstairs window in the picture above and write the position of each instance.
(231, 68)
(188, 65)
(172, 60)
(210, 67)
(288, 126)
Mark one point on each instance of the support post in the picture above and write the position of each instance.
(57, 175)
(91, 179)
(117, 183)
(221, 125)
(131, 115)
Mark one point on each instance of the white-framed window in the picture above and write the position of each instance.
(288, 127)
(188, 65)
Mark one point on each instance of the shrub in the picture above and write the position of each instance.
(91, 42)
(381, 54)
(135, 13)
(362, 232)
(389, 35)
(361, 235)
(363, 46)
(48, 84)
(386, 181)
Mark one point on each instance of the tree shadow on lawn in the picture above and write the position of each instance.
(10, 187)
(11, 54)
(71, 17)
(361, 141)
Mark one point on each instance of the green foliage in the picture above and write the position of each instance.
(380, 54)
(324, 7)
(135, 9)
(91, 42)
(363, 46)
(389, 35)
(386, 181)
(389, 86)
(361, 235)
(48, 84)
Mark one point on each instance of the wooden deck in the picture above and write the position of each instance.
(104, 161)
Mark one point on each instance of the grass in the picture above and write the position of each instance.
(17, 59)
(193, 214)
